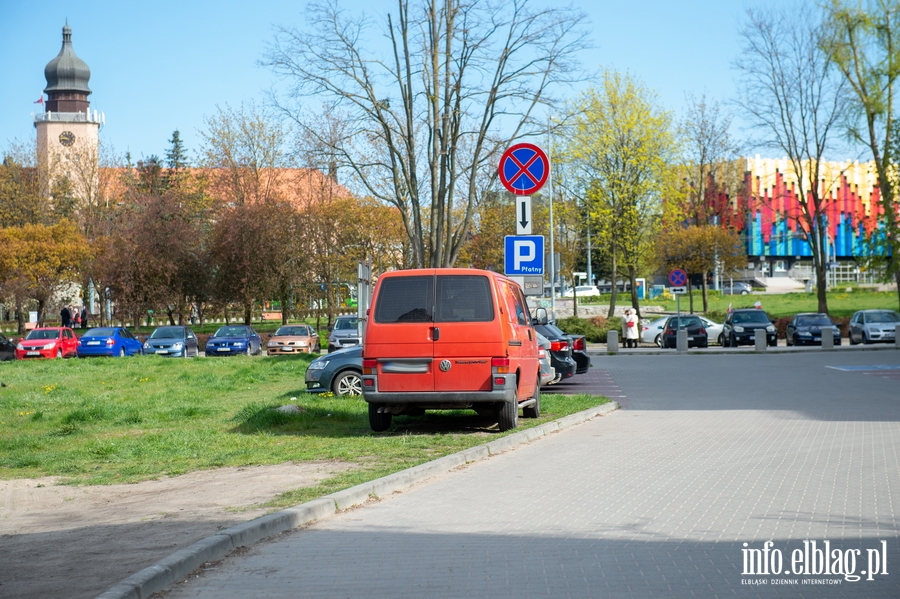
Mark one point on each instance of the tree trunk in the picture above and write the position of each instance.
(635, 303)
(574, 298)
(705, 298)
(20, 316)
(690, 293)
(613, 278)
(248, 313)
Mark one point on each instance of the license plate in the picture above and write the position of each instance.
(286, 349)
(162, 351)
(690, 338)
(348, 343)
(33, 353)
(92, 343)
(221, 349)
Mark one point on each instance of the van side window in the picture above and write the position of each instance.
(522, 313)
(464, 298)
(406, 299)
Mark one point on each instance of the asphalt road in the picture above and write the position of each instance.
(675, 495)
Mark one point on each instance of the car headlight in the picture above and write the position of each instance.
(20, 347)
(50, 345)
(238, 343)
(803, 333)
(271, 343)
(178, 345)
(738, 329)
(770, 328)
(318, 365)
(147, 345)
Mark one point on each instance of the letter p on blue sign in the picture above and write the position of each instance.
(524, 255)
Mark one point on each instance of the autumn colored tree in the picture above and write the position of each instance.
(698, 250)
(39, 260)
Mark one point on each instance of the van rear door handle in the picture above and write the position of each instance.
(435, 333)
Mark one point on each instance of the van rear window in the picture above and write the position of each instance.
(446, 298)
(406, 299)
(464, 298)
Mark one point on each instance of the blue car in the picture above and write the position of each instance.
(234, 339)
(108, 341)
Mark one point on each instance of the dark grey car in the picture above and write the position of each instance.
(7, 349)
(339, 372)
(174, 341)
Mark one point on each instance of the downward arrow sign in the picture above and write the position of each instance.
(523, 215)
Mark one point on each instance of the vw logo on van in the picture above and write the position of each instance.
(445, 365)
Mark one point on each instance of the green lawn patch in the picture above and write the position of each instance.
(106, 420)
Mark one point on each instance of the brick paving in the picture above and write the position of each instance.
(656, 500)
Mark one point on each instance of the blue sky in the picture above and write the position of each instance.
(165, 65)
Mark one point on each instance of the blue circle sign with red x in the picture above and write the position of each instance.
(524, 169)
(677, 278)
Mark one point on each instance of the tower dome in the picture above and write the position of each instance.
(67, 79)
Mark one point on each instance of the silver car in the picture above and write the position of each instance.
(548, 373)
(344, 333)
(873, 326)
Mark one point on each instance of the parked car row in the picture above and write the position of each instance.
(742, 325)
(173, 341)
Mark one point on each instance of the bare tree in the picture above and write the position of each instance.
(424, 118)
(795, 99)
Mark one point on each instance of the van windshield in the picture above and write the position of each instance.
(445, 298)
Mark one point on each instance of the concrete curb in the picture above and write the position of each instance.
(180, 564)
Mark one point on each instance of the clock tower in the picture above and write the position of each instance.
(67, 130)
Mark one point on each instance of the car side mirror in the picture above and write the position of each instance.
(540, 316)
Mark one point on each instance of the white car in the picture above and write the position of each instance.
(583, 291)
(713, 330)
(651, 331)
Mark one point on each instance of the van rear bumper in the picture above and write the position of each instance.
(500, 393)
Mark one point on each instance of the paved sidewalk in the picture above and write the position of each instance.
(654, 501)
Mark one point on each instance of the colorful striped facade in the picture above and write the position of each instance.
(770, 213)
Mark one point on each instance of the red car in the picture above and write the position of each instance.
(47, 342)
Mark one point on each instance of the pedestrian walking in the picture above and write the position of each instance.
(630, 326)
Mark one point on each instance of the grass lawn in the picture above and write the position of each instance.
(106, 420)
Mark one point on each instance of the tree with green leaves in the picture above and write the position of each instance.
(619, 145)
(863, 40)
(424, 118)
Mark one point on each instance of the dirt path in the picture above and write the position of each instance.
(76, 542)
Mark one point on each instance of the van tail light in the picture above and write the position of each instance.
(559, 346)
(500, 365)
(370, 366)
(578, 344)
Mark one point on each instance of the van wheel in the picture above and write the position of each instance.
(535, 410)
(379, 422)
(507, 415)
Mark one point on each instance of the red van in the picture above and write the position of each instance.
(447, 339)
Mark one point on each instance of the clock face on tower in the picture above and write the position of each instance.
(67, 138)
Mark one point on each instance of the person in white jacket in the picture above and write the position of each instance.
(630, 326)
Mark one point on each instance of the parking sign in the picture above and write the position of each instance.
(523, 255)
